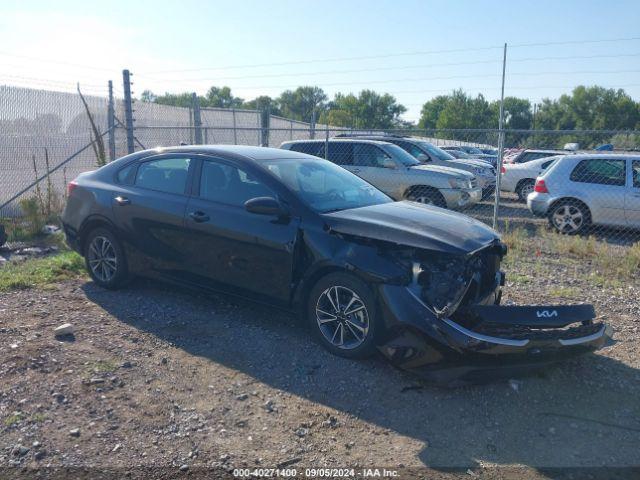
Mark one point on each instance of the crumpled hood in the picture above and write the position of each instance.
(414, 225)
(448, 171)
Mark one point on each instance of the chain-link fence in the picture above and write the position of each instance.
(48, 138)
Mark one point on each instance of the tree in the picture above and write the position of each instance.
(368, 110)
(431, 111)
(301, 103)
(263, 103)
(221, 98)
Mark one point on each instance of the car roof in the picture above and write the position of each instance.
(536, 150)
(346, 139)
(235, 151)
(607, 156)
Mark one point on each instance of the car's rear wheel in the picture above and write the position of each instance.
(343, 316)
(428, 196)
(524, 188)
(569, 217)
(105, 259)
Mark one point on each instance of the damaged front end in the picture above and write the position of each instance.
(450, 328)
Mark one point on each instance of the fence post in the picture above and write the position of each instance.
(265, 120)
(128, 110)
(312, 132)
(197, 121)
(235, 131)
(496, 206)
(111, 124)
(326, 142)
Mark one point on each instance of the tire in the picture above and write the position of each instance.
(105, 259)
(524, 188)
(428, 196)
(351, 333)
(569, 217)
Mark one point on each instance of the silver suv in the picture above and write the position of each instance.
(579, 190)
(395, 172)
(429, 154)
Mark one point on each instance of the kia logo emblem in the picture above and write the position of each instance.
(546, 313)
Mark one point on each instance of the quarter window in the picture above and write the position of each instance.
(224, 183)
(167, 175)
(600, 171)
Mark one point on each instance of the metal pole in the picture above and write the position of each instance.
(111, 124)
(326, 142)
(128, 110)
(312, 133)
(197, 121)
(500, 144)
(235, 131)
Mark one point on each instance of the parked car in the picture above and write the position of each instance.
(528, 155)
(474, 152)
(583, 190)
(520, 178)
(395, 172)
(490, 151)
(419, 283)
(429, 154)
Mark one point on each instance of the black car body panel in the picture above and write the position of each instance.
(435, 273)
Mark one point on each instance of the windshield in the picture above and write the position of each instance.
(436, 152)
(324, 186)
(459, 154)
(401, 155)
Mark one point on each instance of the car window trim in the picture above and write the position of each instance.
(164, 156)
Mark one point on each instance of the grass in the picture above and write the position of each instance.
(102, 366)
(13, 419)
(565, 292)
(38, 417)
(608, 265)
(41, 271)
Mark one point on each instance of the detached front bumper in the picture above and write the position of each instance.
(503, 341)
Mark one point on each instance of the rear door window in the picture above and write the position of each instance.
(167, 175)
(310, 148)
(341, 153)
(600, 171)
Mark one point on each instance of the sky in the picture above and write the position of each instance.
(412, 49)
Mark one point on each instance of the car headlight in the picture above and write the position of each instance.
(459, 183)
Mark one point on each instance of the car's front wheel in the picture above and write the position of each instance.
(342, 313)
(105, 260)
(569, 217)
(428, 196)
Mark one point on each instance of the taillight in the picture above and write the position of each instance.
(502, 169)
(540, 186)
(71, 187)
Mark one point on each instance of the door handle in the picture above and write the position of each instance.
(122, 201)
(199, 217)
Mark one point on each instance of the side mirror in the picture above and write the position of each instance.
(389, 163)
(423, 158)
(264, 206)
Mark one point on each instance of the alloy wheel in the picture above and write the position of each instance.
(567, 219)
(342, 317)
(526, 190)
(103, 260)
(427, 200)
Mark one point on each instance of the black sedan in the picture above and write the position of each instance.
(419, 283)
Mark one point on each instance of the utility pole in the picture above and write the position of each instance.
(128, 110)
(496, 195)
(111, 124)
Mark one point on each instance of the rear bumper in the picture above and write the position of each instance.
(444, 351)
(538, 203)
(72, 238)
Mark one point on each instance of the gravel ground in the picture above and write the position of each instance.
(164, 383)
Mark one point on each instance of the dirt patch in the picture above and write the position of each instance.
(160, 383)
